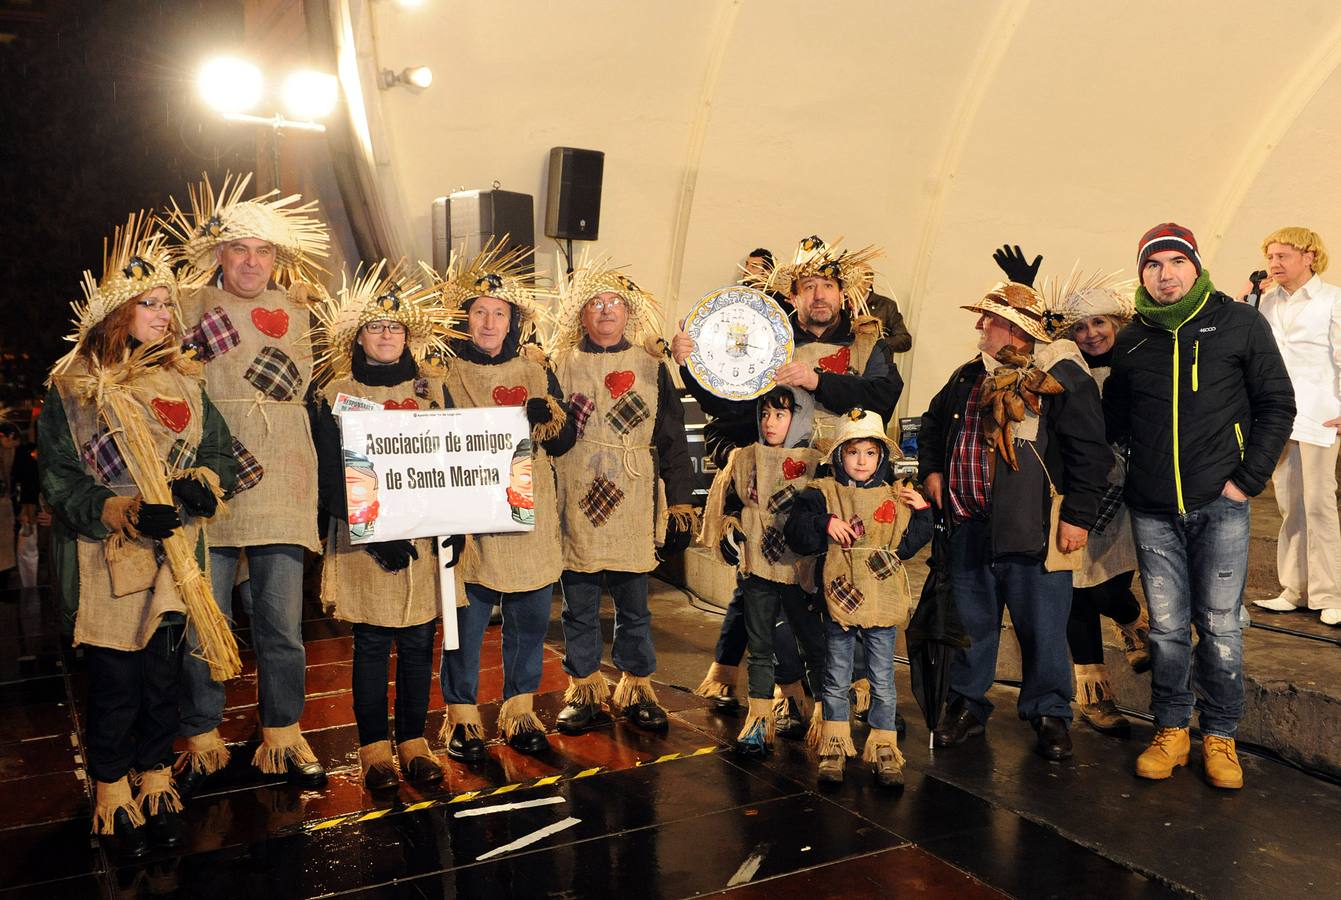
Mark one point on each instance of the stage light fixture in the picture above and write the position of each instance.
(310, 95)
(417, 78)
(229, 84)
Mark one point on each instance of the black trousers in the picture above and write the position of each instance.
(732, 641)
(132, 705)
(1084, 632)
(763, 601)
(414, 675)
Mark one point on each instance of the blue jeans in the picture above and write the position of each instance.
(525, 621)
(1040, 604)
(276, 633)
(1192, 569)
(414, 675)
(633, 651)
(840, 645)
(733, 639)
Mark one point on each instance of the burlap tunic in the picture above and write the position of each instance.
(258, 363)
(840, 359)
(607, 483)
(126, 616)
(514, 562)
(353, 586)
(866, 585)
(767, 480)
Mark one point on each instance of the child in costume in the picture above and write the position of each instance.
(747, 506)
(865, 524)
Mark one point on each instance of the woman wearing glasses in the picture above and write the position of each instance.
(108, 551)
(371, 338)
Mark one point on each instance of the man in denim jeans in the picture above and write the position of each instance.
(1199, 391)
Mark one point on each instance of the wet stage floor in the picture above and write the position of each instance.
(670, 815)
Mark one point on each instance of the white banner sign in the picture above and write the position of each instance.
(412, 474)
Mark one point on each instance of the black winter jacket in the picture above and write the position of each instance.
(1234, 406)
(1070, 440)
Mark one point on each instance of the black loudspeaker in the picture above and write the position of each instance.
(573, 205)
(465, 221)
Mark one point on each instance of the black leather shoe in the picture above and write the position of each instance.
(132, 841)
(165, 827)
(381, 777)
(529, 742)
(464, 748)
(647, 716)
(788, 723)
(189, 782)
(727, 705)
(308, 776)
(1054, 739)
(576, 718)
(961, 726)
(422, 770)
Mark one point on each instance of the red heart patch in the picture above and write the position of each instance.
(618, 383)
(884, 513)
(407, 403)
(837, 362)
(509, 396)
(175, 414)
(793, 468)
(272, 322)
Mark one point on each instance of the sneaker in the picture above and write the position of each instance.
(754, 743)
(1281, 603)
(1169, 749)
(788, 722)
(1221, 760)
(1105, 718)
(888, 772)
(831, 768)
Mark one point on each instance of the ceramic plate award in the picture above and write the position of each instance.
(741, 337)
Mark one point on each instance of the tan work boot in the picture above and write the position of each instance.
(1222, 762)
(1105, 718)
(1168, 750)
(1134, 638)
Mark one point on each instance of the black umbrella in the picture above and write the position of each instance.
(935, 631)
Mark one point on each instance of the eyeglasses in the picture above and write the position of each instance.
(389, 327)
(154, 305)
(602, 305)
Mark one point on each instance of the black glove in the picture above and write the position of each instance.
(729, 552)
(538, 411)
(195, 497)
(157, 520)
(392, 555)
(456, 543)
(1011, 261)
(677, 540)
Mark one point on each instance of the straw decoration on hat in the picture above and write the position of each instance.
(496, 271)
(1082, 296)
(1021, 305)
(216, 218)
(134, 262)
(850, 268)
(597, 276)
(412, 299)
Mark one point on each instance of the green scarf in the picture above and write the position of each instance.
(1175, 314)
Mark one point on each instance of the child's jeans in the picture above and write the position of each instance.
(840, 644)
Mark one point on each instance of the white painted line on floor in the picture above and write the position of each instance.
(504, 807)
(527, 840)
(750, 867)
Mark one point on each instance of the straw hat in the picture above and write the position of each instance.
(495, 271)
(1023, 306)
(592, 277)
(215, 219)
(1082, 296)
(850, 268)
(413, 300)
(863, 424)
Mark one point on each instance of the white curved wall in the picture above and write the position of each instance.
(937, 131)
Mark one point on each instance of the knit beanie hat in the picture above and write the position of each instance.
(1167, 236)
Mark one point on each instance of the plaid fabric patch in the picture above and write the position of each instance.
(181, 456)
(421, 388)
(249, 468)
(102, 456)
(274, 374)
(969, 487)
(580, 407)
(773, 546)
(882, 563)
(781, 502)
(213, 336)
(858, 525)
(1109, 505)
(844, 594)
(600, 500)
(628, 412)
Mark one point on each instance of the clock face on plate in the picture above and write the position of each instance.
(741, 337)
